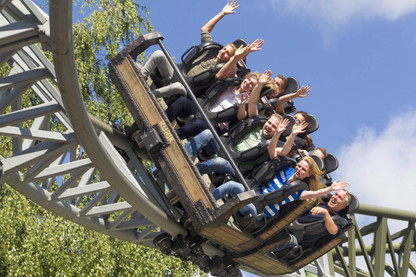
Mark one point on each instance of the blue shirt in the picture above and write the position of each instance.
(278, 182)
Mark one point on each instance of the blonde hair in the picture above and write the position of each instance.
(278, 116)
(248, 75)
(271, 85)
(314, 180)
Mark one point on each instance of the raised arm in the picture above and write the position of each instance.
(297, 129)
(300, 93)
(242, 113)
(307, 194)
(271, 148)
(230, 67)
(228, 9)
(255, 94)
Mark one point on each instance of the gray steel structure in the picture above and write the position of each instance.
(99, 190)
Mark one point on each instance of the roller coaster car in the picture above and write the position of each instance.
(200, 82)
(258, 153)
(214, 92)
(299, 257)
(270, 104)
(208, 224)
(261, 175)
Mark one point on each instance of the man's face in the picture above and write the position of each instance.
(279, 84)
(270, 127)
(302, 170)
(225, 54)
(299, 118)
(249, 83)
(337, 201)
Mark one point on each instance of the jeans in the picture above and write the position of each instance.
(233, 188)
(158, 60)
(289, 244)
(184, 107)
(206, 140)
(193, 128)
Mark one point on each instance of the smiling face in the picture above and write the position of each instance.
(249, 83)
(270, 127)
(302, 170)
(337, 201)
(225, 54)
(299, 118)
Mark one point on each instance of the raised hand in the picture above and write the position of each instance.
(255, 45)
(299, 128)
(282, 125)
(265, 76)
(230, 7)
(337, 185)
(241, 51)
(244, 98)
(302, 92)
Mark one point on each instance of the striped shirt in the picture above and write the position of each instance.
(278, 182)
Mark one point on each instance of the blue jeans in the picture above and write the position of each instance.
(233, 188)
(185, 107)
(289, 244)
(206, 140)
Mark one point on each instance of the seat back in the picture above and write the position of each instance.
(292, 87)
(330, 163)
(313, 125)
(318, 161)
(196, 51)
(299, 230)
(289, 127)
(266, 171)
(242, 68)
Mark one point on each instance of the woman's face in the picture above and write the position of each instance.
(302, 170)
(249, 83)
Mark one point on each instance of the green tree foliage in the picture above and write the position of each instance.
(36, 242)
(110, 27)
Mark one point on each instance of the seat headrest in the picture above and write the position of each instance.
(318, 161)
(240, 42)
(313, 124)
(354, 204)
(289, 127)
(330, 163)
(293, 85)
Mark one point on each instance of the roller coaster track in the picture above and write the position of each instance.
(98, 189)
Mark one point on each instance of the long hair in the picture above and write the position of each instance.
(314, 181)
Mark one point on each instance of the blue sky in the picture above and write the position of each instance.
(359, 59)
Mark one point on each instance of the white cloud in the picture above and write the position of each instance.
(380, 166)
(330, 15)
